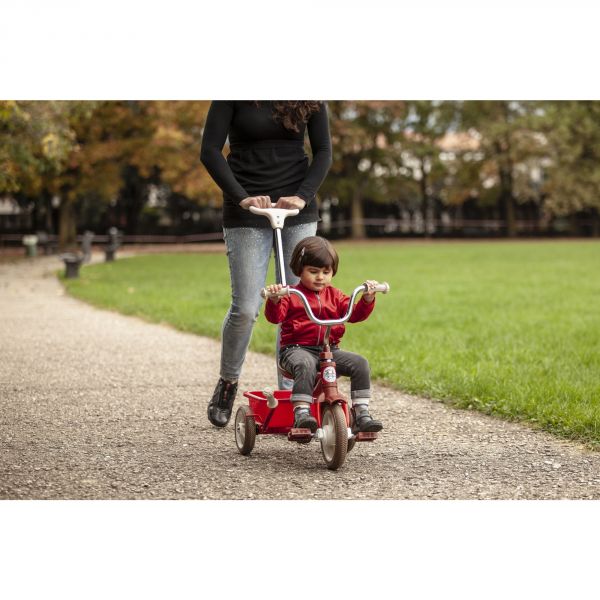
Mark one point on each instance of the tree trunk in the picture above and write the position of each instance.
(35, 214)
(358, 219)
(424, 201)
(509, 212)
(503, 149)
(67, 229)
(595, 224)
(46, 199)
(508, 202)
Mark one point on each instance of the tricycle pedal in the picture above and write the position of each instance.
(302, 435)
(366, 436)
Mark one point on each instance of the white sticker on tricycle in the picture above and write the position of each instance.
(329, 374)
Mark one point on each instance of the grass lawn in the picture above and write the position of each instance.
(508, 328)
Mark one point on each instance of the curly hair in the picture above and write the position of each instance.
(292, 113)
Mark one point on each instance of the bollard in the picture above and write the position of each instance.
(30, 243)
(72, 264)
(43, 242)
(86, 245)
(114, 241)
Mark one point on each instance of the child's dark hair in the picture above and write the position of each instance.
(316, 252)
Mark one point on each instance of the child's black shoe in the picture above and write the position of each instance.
(363, 421)
(304, 420)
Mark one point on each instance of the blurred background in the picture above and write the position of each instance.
(401, 169)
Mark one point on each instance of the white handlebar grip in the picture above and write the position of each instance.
(383, 287)
(281, 293)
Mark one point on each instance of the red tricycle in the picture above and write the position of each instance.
(271, 412)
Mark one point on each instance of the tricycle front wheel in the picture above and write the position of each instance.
(334, 442)
(352, 440)
(245, 430)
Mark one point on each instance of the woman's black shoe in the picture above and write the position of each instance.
(221, 404)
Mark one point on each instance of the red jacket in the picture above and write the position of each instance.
(329, 303)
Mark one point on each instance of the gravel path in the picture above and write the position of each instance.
(98, 405)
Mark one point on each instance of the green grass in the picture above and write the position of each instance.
(511, 329)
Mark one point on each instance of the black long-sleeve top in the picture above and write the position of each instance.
(265, 158)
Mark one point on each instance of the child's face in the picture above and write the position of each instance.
(316, 278)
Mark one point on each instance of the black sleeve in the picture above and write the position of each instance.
(215, 133)
(320, 142)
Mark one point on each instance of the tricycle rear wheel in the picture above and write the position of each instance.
(245, 430)
(334, 443)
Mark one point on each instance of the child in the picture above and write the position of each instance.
(315, 261)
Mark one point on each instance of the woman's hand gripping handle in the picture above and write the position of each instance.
(275, 215)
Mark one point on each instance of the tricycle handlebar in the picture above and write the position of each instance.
(384, 288)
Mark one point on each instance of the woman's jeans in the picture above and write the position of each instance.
(249, 251)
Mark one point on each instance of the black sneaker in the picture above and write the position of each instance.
(304, 420)
(221, 403)
(363, 421)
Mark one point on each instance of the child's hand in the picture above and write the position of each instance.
(370, 295)
(273, 289)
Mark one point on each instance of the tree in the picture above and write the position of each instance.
(35, 146)
(572, 179)
(426, 124)
(174, 149)
(366, 157)
(507, 142)
(124, 147)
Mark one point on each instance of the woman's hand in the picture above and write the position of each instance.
(273, 289)
(370, 295)
(258, 201)
(290, 202)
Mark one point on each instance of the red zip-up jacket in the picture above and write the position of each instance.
(329, 303)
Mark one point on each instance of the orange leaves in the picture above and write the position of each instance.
(173, 147)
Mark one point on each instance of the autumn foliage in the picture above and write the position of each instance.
(413, 154)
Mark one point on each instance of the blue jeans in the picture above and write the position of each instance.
(249, 251)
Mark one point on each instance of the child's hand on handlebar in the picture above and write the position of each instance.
(273, 289)
(290, 202)
(258, 201)
(370, 295)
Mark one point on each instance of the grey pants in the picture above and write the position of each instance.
(303, 363)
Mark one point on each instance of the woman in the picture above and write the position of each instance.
(266, 164)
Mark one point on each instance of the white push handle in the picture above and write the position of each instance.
(268, 393)
(276, 216)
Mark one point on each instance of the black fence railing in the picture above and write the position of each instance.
(16, 239)
(374, 227)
